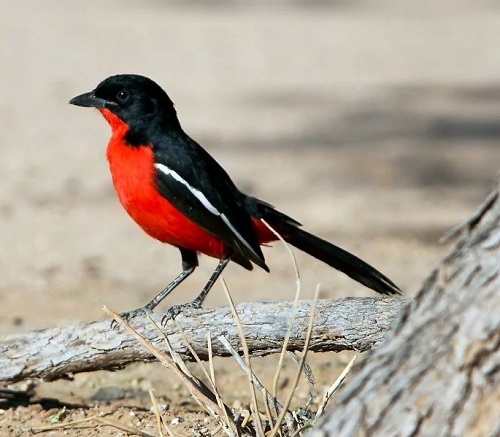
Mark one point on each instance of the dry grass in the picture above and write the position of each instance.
(268, 416)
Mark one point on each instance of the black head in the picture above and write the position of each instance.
(134, 99)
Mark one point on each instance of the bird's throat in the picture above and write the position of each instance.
(118, 127)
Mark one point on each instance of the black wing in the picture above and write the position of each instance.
(201, 189)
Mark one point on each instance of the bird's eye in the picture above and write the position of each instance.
(122, 96)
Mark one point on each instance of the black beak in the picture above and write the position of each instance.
(89, 100)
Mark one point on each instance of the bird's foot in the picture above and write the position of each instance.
(175, 310)
(129, 315)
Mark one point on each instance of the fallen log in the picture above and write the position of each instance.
(340, 324)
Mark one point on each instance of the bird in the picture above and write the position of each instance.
(180, 195)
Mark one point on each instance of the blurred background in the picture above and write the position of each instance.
(374, 124)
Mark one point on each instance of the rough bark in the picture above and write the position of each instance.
(340, 324)
(438, 373)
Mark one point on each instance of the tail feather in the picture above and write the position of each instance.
(340, 259)
(323, 250)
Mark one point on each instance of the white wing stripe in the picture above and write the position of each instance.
(205, 202)
(196, 193)
(235, 232)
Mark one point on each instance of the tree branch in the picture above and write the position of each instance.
(340, 324)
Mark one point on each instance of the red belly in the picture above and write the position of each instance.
(133, 176)
(132, 172)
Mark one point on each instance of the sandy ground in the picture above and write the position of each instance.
(375, 125)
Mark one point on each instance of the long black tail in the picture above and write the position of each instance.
(340, 259)
(327, 252)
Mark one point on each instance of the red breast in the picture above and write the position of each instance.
(133, 177)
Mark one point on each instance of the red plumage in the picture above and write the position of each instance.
(178, 194)
(132, 171)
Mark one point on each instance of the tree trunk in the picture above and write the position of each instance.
(438, 373)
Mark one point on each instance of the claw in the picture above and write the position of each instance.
(129, 315)
(175, 310)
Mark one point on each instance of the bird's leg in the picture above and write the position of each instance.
(198, 301)
(189, 263)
